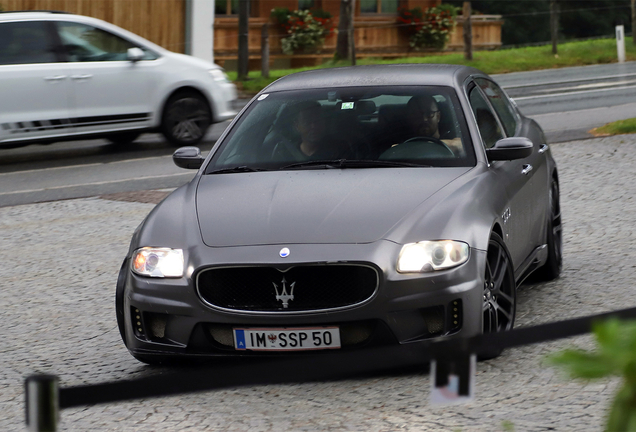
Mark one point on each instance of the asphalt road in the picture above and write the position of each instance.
(567, 103)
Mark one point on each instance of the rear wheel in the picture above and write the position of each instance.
(186, 118)
(552, 268)
(499, 302)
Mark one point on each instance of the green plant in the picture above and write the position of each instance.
(627, 126)
(616, 355)
(430, 28)
(306, 29)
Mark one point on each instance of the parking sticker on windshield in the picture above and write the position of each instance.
(347, 105)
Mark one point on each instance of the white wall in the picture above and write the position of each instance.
(201, 33)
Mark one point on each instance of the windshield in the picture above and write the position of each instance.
(363, 127)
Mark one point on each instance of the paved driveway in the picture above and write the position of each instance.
(57, 281)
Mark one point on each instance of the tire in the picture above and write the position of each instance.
(552, 268)
(186, 118)
(499, 302)
(119, 300)
(123, 138)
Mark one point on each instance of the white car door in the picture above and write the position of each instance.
(109, 92)
(35, 86)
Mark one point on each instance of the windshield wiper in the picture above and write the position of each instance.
(237, 169)
(350, 163)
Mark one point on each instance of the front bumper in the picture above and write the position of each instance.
(167, 317)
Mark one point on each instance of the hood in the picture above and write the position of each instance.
(312, 206)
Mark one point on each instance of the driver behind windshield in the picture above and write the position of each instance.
(423, 119)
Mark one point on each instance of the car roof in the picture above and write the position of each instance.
(21, 15)
(377, 75)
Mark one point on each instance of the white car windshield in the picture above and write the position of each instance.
(350, 127)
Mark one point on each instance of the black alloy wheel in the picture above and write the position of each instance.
(500, 292)
(186, 118)
(554, 237)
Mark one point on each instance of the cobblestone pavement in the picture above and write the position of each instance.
(57, 282)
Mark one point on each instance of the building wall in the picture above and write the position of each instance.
(160, 21)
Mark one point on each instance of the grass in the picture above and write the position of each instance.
(616, 128)
(492, 62)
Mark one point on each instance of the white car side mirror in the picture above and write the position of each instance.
(135, 54)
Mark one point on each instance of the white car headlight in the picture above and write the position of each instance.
(158, 262)
(218, 75)
(428, 256)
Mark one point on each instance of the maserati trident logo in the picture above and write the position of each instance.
(282, 295)
(284, 252)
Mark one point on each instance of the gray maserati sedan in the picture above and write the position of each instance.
(347, 208)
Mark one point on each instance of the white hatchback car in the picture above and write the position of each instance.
(65, 76)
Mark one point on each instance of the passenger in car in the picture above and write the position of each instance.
(313, 141)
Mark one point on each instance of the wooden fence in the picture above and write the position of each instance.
(160, 21)
(375, 36)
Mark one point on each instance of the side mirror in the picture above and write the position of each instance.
(510, 149)
(188, 158)
(134, 54)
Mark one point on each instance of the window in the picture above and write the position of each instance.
(501, 104)
(84, 43)
(412, 125)
(226, 7)
(486, 121)
(379, 6)
(25, 43)
(306, 4)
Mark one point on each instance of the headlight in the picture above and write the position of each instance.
(158, 262)
(218, 75)
(428, 256)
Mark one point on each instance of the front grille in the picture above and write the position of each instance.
(266, 289)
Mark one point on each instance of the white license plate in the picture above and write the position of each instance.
(287, 339)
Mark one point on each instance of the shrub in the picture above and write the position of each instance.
(616, 355)
(430, 28)
(306, 29)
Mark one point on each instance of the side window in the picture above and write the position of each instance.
(26, 42)
(486, 121)
(501, 104)
(84, 43)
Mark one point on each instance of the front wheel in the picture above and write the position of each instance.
(186, 118)
(499, 302)
(119, 300)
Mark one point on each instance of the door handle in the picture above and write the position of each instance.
(526, 169)
(55, 78)
(544, 148)
(81, 77)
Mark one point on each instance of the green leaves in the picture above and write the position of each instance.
(616, 355)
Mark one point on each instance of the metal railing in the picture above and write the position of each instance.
(45, 399)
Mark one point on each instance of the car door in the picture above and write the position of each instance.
(34, 84)
(534, 165)
(511, 173)
(109, 92)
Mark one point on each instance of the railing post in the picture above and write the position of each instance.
(42, 403)
(468, 30)
(265, 51)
